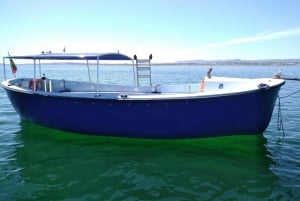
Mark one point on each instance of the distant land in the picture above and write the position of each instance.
(227, 62)
(240, 62)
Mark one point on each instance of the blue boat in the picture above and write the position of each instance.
(216, 106)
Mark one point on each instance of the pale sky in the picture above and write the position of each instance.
(171, 30)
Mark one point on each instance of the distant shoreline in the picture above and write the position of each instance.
(240, 62)
(228, 64)
(237, 62)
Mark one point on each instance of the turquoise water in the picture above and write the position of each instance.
(38, 163)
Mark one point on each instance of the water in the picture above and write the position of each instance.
(38, 163)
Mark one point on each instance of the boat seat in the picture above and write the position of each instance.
(59, 86)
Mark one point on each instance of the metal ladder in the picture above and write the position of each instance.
(143, 71)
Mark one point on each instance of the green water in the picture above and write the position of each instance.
(39, 163)
(54, 165)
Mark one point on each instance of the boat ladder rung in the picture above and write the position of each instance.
(143, 71)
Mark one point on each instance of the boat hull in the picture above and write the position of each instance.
(242, 113)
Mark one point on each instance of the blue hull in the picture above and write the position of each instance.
(244, 113)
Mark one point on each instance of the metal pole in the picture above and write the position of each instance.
(88, 67)
(134, 75)
(34, 75)
(4, 69)
(98, 87)
(40, 68)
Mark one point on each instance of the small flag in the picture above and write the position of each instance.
(13, 66)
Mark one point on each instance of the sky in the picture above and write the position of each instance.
(170, 30)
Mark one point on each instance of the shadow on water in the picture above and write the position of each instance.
(54, 165)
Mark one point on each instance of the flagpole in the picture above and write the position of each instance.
(4, 69)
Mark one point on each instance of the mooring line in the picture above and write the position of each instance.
(290, 94)
(280, 126)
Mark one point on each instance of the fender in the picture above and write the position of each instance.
(38, 84)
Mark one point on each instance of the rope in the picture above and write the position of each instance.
(280, 126)
(290, 94)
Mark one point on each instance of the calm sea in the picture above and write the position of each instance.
(38, 163)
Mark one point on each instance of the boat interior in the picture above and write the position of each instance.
(207, 86)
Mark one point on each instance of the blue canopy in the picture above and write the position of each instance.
(74, 56)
